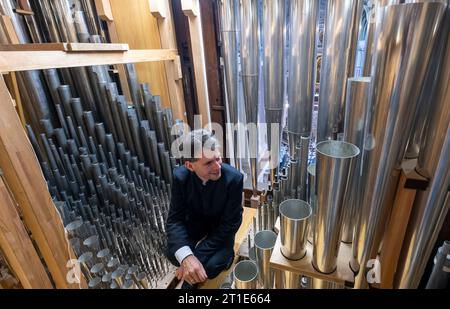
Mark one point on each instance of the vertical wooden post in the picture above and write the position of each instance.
(17, 246)
(396, 228)
(191, 9)
(24, 176)
(11, 79)
(104, 11)
(161, 10)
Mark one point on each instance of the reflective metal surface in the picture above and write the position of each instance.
(264, 243)
(335, 163)
(339, 52)
(287, 280)
(301, 69)
(245, 275)
(295, 217)
(312, 199)
(273, 36)
(250, 62)
(429, 212)
(404, 34)
(429, 209)
(355, 113)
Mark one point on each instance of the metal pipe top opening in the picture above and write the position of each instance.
(296, 210)
(338, 149)
(265, 240)
(246, 271)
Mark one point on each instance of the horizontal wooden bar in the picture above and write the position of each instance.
(34, 47)
(68, 47)
(97, 47)
(12, 61)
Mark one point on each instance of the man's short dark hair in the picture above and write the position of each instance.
(196, 142)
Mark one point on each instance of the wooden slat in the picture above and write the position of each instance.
(26, 181)
(137, 27)
(304, 267)
(162, 11)
(97, 47)
(396, 229)
(24, 12)
(69, 47)
(17, 246)
(11, 38)
(34, 47)
(191, 10)
(104, 10)
(8, 29)
(11, 80)
(41, 60)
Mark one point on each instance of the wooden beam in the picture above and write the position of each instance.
(158, 8)
(26, 181)
(104, 10)
(17, 246)
(137, 27)
(41, 60)
(11, 78)
(34, 47)
(396, 229)
(9, 30)
(67, 47)
(191, 10)
(162, 11)
(11, 81)
(97, 47)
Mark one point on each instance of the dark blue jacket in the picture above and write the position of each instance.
(197, 211)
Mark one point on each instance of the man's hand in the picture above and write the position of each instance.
(193, 271)
(180, 273)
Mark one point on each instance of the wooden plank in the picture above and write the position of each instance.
(34, 47)
(97, 47)
(69, 47)
(8, 29)
(191, 10)
(26, 181)
(158, 8)
(11, 81)
(304, 267)
(161, 9)
(11, 37)
(218, 111)
(104, 10)
(396, 230)
(137, 27)
(241, 235)
(17, 246)
(24, 12)
(41, 60)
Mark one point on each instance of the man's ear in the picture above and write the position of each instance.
(189, 166)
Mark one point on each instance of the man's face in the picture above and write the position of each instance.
(209, 167)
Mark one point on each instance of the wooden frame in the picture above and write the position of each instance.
(11, 61)
(18, 160)
(17, 246)
(161, 10)
(192, 11)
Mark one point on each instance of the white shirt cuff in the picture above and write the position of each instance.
(183, 253)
